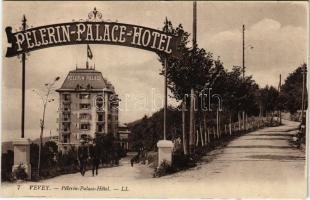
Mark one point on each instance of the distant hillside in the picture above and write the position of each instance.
(9, 145)
(148, 130)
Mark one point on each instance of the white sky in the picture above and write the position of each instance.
(276, 30)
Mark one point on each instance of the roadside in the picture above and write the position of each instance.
(259, 164)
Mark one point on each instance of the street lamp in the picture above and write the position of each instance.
(45, 98)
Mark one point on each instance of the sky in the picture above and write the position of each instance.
(278, 31)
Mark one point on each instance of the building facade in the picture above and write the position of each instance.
(88, 106)
(123, 136)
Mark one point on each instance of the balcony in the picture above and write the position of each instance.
(66, 110)
(84, 119)
(65, 119)
(99, 133)
(66, 101)
(99, 110)
(100, 123)
(85, 100)
(65, 131)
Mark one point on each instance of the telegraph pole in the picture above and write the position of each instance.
(24, 26)
(243, 71)
(303, 93)
(243, 67)
(279, 89)
(192, 99)
(194, 24)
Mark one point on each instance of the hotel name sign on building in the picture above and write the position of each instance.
(90, 33)
(84, 78)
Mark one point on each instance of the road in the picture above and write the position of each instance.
(259, 164)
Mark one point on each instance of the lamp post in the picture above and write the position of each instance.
(45, 98)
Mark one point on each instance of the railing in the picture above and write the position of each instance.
(65, 131)
(206, 135)
(66, 101)
(66, 110)
(65, 119)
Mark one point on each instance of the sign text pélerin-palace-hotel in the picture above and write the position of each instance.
(90, 33)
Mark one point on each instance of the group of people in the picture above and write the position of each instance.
(88, 153)
(141, 156)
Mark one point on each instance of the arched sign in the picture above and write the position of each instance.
(90, 33)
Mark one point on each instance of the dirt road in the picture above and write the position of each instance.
(259, 164)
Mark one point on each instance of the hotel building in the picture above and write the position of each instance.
(88, 106)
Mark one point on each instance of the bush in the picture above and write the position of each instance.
(20, 172)
(181, 162)
(164, 169)
(7, 161)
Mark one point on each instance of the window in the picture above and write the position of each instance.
(100, 117)
(66, 128)
(66, 107)
(85, 126)
(84, 96)
(66, 97)
(84, 106)
(99, 102)
(85, 116)
(66, 115)
(100, 128)
(66, 138)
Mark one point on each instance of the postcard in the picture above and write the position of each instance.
(154, 99)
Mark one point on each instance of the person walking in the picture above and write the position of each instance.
(82, 155)
(94, 155)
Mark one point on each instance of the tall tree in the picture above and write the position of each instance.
(291, 90)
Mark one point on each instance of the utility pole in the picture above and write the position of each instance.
(192, 99)
(279, 89)
(243, 67)
(303, 93)
(194, 24)
(23, 83)
(165, 106)
(243, 70)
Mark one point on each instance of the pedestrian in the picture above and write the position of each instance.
(82, 156)
(135, 159)
(94, 156)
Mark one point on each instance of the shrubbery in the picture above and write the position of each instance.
(164, 169)
(54, 163)
(7, 161)
(20, 173)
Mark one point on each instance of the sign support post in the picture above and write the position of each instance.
(23, 84)
(165, 106)
(22, 145)
(165, 146)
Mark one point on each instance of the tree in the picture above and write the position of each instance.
(291, 90)
(45, 99)
(189, 73)
(269, 97)
(237, 93)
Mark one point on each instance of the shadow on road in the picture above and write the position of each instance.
(259, 146)
(270, 134)
(277, 157)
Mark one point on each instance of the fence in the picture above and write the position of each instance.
(206, 135)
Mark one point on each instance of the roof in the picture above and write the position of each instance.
(85, 79)
(122, 125)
